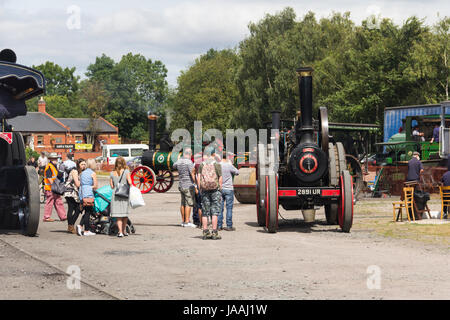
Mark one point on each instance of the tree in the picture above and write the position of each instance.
(134, 85)
(442, 49)
(94, 99)
(58, 106)
(264, 86)
(60, 81)
(207, 92)
(374, 73)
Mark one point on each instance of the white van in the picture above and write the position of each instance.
(127, 151)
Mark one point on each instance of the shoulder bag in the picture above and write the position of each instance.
(58, 187)
(122, 189)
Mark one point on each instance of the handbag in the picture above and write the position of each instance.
(58, 187)
(123, 189)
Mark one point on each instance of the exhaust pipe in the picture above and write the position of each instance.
(152, 131)
(305, 128)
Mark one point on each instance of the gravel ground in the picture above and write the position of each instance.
(165, 261)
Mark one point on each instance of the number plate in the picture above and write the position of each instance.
(309, 192)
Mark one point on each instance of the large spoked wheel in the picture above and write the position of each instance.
(354, 167)
(143, 178)
(331, 210)
(31, 211)
(260, 187)
(345, 215)
(272, 203)
(164, 181)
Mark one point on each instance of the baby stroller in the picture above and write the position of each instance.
(101, 221)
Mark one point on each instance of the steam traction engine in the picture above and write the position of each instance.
(143, 176)
(312, 172)
(19, 187)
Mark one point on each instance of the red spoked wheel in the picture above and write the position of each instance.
(143, 178)
(164, 181)
(345, 209)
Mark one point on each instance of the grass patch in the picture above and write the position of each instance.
(433, 234)
(377, 216)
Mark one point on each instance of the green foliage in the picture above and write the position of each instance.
(207, 92)
(134, 85)
(31, 153)
(358, 70)
(62, 91)
(60, 81)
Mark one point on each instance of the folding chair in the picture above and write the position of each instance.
(445, 199)
(407, 203)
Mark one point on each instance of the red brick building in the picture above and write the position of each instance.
(43, 132)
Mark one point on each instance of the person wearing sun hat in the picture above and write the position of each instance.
(52, 199)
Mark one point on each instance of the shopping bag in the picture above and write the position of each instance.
(136, 199)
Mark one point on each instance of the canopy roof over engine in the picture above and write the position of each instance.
(18, 84)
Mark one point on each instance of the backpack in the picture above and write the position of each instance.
(209, 177)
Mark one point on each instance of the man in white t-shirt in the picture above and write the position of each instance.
(42, 163)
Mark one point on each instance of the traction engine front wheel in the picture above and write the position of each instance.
(143, 178)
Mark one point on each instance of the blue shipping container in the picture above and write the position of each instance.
(393, 116)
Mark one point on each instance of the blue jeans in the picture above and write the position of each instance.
(228, 197)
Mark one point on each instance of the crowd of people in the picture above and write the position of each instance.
(206, 190)
(79, 179)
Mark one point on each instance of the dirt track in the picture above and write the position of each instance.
(165, 261)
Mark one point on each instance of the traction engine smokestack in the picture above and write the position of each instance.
(305, 133)
(152, 131)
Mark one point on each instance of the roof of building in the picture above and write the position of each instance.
(82, 125)
(43, 122)
(36, 122)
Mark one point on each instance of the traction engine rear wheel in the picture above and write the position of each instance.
(331, 210)
(164, 181)
(345, 216)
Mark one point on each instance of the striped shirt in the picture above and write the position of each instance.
(228, 171)
(184, 167)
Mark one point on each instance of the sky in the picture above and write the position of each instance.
(176, 32)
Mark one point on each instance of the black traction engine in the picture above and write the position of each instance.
(304, 171)
(19, 187)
